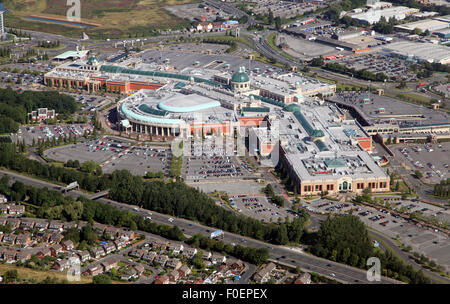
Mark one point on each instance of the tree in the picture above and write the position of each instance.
(101, 279)
(418, 174)
(270, 18)
(278, 23)
(11, 276)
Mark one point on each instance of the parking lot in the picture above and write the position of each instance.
(377, 63)
(211, 161)
(433, 160)
(434, 244)
(99, 150)
(140, 160)
(260, 208)
(50, 131)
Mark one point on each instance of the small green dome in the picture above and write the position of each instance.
(240, 76)
(292, 107)
(93, 60)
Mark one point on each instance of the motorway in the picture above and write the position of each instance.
(309, 263)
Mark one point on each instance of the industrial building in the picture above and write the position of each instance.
(423, 25)
(418, 51)
(372, 16)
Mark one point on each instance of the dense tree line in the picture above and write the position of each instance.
(345, 239)
(442, 189)
(5, 52)
(178, 199)
(49, 44)
(253, 255)
(15, 106)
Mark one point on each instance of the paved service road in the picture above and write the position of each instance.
(332, 270)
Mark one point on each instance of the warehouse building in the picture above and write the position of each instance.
(372, 16)
(418, 51)
(423, 25)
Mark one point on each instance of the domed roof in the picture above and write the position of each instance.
(240, 76)
(292, 108)
(93, 60)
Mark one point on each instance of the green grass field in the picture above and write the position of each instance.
(117, 18)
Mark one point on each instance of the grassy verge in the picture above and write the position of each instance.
(39, 275)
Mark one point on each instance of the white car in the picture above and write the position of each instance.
(170, 220)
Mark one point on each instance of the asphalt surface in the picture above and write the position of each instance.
(309, 263)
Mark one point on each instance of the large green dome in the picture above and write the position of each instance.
(240, 76)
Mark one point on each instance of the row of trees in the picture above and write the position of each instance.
(253, 255)
(49, 44)
(345, 239)
(442, 189)
(178, 199)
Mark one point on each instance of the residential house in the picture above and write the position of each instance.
(67, 245)
(238, 266)
(174, 263)
(175, 248)
(14, 222)
(1, 236)
(110, 247)
(94, 270)
(4, 209)
(164, 279)
(160, 245)
(184, 271)
(56, 250)
(23, 240)
(3, 199)
(61, 265)
(16, 209)
(263, 274)
(45, 237)
(127, 235)
(23, 256)
(97, 252)
(109, 264)
(56, 237)
(84, 256)
(9, 238)
(111, 231)
(129, 274)
(43, 253)
(206, 255)
(70, 225)
(161, 259)
(173, 276)
(2, 221)
(41, 224)
(55, 226)
(304, 278)
(149, 256)
(119, 244)
(99, 228)
(189, 252)
(9, 255)
(27, 224)
(137, 253)
(218, 259)
(139, 269)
